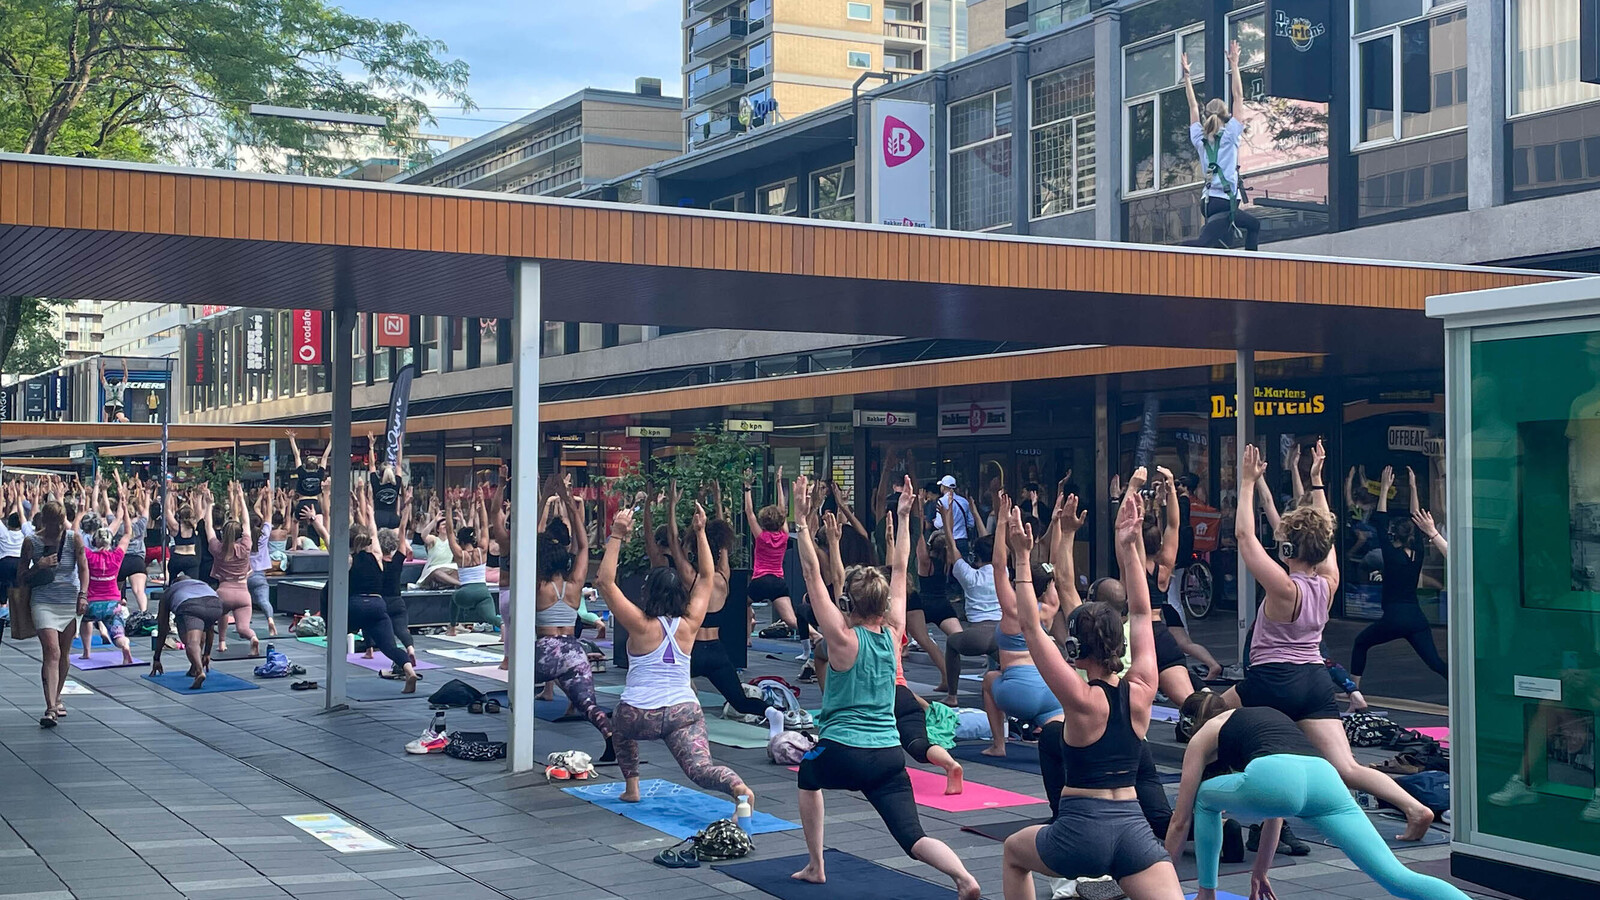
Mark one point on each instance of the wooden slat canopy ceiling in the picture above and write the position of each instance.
(140, 432)
(117, 231)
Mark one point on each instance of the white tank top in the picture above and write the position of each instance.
(473, 574)
(559, 614)
(660, 678)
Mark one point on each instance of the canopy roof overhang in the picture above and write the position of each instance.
(118, 231)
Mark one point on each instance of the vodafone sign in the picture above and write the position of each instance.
(307, 327)
(902, 164)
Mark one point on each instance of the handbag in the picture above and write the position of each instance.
(40, 577)
(474, 746)
(21, 603)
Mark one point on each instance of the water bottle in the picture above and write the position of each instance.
(438, 723)
(741, 813)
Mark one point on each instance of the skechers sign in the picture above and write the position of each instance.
(902, 164)
(1299, 50)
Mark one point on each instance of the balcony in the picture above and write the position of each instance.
(719, 82)
(717, 129)
(706, 6)
(905, 33)
(718, 38)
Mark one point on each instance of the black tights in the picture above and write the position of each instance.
(370, 616)
(1217, 232)
(976, 639)
(1152, 796)
(399, 619)
(710, 661)
(1403, 621)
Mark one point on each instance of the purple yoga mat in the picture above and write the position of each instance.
(105, 659)
(381, 663)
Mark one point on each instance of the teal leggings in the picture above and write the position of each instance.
(474, 602)
(1308, 788)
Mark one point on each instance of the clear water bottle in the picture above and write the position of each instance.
(742, 813)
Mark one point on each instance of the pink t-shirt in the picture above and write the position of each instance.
(103, 568)
(770, 546)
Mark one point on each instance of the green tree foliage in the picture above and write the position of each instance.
(716, 458)
(28, 340)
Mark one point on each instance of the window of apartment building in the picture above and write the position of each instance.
(555, 339)
(858, 59)
(1156, 112)
(833, 193)
(730, 203)
(899, 59)
(980, 162)
(780, 199)
(1410, 58)
(899, 12)
(757, 12)
(1542, 62)
(861, 12)
(1277, 131)
(430, 344)
(1047, 14)
(1061, 141)
(758, 58)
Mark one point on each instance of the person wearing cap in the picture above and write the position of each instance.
(962, 521)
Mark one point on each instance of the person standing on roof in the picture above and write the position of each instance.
(1216, 138)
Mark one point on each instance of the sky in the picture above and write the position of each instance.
(525, 54)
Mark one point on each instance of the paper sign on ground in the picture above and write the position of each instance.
(337, 833)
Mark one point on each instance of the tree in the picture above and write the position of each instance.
(26, 327)
(174, 79)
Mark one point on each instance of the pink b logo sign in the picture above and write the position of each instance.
(901, 143)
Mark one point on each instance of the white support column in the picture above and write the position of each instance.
(272, 469)
(337, 614)
(1244, 385)
(527, 325)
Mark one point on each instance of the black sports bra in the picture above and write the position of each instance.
(1113, 760)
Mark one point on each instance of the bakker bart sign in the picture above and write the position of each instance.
(902, 163)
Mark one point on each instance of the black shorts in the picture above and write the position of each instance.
(1170, 616)
(878, 773)
(132, 564)
(199, 614)
(935, 606)
(1168, 653)
(303, 503)
(186, 563)
(386, 518)
(767, 588)
(1092, 837)
(1298, 690)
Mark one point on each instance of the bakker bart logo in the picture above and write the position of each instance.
(1300, 31)
(901, 143)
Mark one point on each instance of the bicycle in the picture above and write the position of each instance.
(1198, 589)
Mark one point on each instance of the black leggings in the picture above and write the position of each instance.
(878, 773)
(709, 660)
(1403, 621)
(976, 639)
(370, 616)
(1152, 796)
(399, 620)
(1216, 231)
(911, 720)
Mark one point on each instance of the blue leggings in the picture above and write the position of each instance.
(1024, 696)
(1307, 787)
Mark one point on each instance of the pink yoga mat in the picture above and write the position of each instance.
(495, 672)
(381, 663)
(928, 788)
(104, 659)
(1440, 733)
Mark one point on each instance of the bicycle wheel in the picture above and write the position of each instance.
(1197, 589)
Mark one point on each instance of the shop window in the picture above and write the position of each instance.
(780, 199)
(1542, 56)
(980, 162)
(1061, 141)
(833, 193)
(1411, 59)
(1156, 124)
(730, 203)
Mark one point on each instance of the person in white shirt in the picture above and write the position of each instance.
(1216, 139)
(977, 636)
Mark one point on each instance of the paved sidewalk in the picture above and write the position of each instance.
(145, 793)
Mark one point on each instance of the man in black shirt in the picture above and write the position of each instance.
(385, 487)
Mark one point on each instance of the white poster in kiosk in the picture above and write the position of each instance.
(902, 163)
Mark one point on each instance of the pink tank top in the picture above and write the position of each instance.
(1297, 641)
(103, 568)
(770, 547)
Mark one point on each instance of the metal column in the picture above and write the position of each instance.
(528, 327)
(1244, 421)
(1094, 496)
(337, 613)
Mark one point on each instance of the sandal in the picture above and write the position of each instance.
(475, 707)
(48, 720)
(303, 686)
(673, 858)
(491, 706)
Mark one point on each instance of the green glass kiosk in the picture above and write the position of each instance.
(1522, 380)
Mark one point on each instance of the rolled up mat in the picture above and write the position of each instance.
(216, 683)
(849, 878)
(674, 809)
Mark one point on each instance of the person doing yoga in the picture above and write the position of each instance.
(769, 529)
(859, 748)
(558, 655)
(658, 702)
(472, 599)
(230, 548)
(1100, 827)
(1403, 556)
(1020, 691)
(1162, 534)
(1286, 671)
(197, 611)
(368, 611)
(1254, 762)
(1216, 138)
(976, 636)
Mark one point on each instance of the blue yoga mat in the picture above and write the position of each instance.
(217, 682)
(1019, 756)
(849, 878)
(551, 710)
(674, 809)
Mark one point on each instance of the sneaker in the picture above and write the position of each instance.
(1291, 845)
(808, 674)
(776, 631)
(430, 742)
(1591, 810)
(1514, 793)
(1102, 888)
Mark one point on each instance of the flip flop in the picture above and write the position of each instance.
(475, 707)
(303, 686)
(491, 706)
(677, 859)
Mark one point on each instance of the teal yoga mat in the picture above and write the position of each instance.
(674, 809)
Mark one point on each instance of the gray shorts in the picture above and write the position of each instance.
(199, 614)
(1091, 838)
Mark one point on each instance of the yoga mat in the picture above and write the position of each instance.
(676, 810)
(95, 641)
(381, 663)
(1388, 827)
(1163, 714)
(999, 831)
(468, 654)
(1440, 733)
(928, 788)
(470, 639)
(371, 690)
(494, 671)
(1221, 895)
(738, 735)
(320, 640)
(553, 710)
(216, 683)
(849, 878)
(103, 660)
(1020, 757)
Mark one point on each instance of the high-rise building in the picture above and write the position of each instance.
(80, 325)
(748, 62)
(142, 329)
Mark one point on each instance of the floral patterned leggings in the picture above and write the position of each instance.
(560, 658)
(682, 728)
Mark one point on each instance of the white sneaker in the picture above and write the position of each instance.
(1062, 888)
(1516, 793)
(430, 742)
(1591, 812)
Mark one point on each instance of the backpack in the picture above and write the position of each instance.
(785, 697)
(1367, 730)
(310, 626)
(140, 624)
(1431, 788)
(276, 666)
(787, 748)
(454, 692)
(722, 839)
(474, 746)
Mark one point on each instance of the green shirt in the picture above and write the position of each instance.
(858, 705)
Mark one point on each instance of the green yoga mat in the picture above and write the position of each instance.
(318, 641)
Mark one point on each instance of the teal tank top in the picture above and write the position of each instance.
(858, 705)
